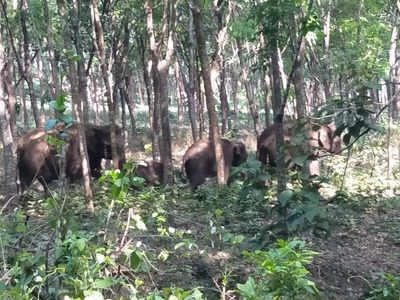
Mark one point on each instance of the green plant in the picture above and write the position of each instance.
(80, 266)
(25, 278)
(280, 273)
(388, 290)
(175, 293)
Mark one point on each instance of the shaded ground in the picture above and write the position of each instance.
(352, 258)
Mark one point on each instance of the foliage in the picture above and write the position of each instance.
(121, 181)
(175, 293)
(389, 289)
(280, 273)
(26, 276)
(80, 266)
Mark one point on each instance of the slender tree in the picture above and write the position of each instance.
(99, 44)
(9, 146)
(205, 73)
(162, 52)
(78, 88)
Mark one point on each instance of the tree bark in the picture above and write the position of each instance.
(160, 67)
(192, 81)
(180, 91)
(393, 87)
(98, 37)
(9, 147)
(27, 63)
(153, 121)
(129, 99)
(249, 93)
(54, 84)
(200, 103)
(78, 89)
(205, 72)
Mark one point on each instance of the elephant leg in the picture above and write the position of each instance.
(271, 158)
(95, 166)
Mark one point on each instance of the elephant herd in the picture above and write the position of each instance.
(38, 158)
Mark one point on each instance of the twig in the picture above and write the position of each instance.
(108, 219)
(8, 202)
(126, 227)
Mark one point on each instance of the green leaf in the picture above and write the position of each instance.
(248, 290)
(81, 244)
(103, 283)
(135, 260)
(285, 197)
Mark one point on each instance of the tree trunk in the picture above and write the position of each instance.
(9, 147)
(179, 94)
(249, 93)
(298, 81)
(267, 97)
(205, 71)
(278, 116)
(27, 62)
(393, 87)
(153, 120)
(200, 103)
(8, 72)
(160, 67)
(54, 84)
(98, 37)
(224, 100)
(78, 90)
(129, 99)
(190, 91)
(234, 84)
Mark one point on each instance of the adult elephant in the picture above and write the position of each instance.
(199, 160)
(313, 141)
(98, 141)
(37, 158)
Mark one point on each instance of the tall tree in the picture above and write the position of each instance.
(205, 73)
(27, 74)
(99, 44)
(162, 52)
(9, 147)
(78, 84)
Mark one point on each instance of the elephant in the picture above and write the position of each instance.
(319, 141)
(98, 141)
(151, 172)
(37, 158)
(199, 160)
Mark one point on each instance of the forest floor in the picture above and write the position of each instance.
(187, 237)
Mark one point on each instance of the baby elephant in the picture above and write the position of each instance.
(151, 172)
(199, 160)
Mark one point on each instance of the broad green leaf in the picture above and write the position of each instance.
(103, 283)
(285, 197)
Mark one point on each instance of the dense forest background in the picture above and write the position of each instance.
(169, 73)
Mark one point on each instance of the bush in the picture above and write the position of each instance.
(280, 273)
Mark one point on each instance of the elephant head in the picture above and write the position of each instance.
(199, 160)
(98, 141)
(318, 139)
(151, 172)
